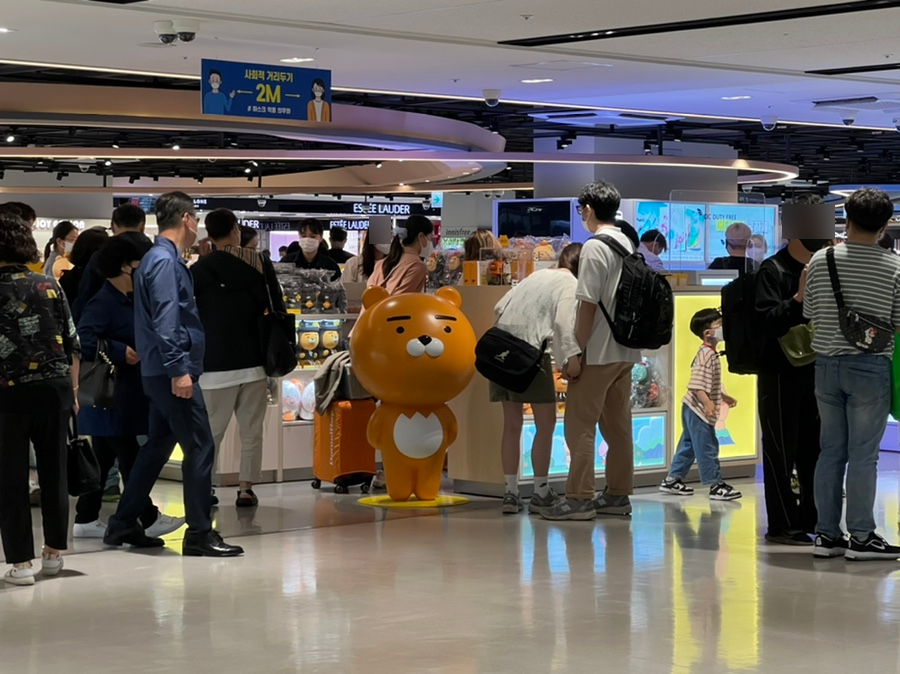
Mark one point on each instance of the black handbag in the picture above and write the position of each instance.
(278, 332)
(83, 468)
(97, 381)
(868, 333)
(506, 360)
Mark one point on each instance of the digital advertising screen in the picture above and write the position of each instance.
(760, 219)
(687, 235)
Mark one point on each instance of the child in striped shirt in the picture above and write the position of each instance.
(699, 414)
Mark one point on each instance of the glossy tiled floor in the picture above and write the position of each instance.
(682, 586)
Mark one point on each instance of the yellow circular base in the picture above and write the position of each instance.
(386, 502)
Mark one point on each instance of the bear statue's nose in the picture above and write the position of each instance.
(425, 339)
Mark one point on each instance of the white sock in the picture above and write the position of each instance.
(512, 484)
(541, 486)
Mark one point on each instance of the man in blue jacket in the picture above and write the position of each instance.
(170, 343)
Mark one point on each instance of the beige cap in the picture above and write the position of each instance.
(738, 235)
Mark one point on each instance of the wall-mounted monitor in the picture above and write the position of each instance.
(541, 218)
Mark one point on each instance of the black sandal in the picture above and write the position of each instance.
(246, 499)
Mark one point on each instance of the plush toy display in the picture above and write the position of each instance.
(454, 268)
(647, 385)
(329, 341)
(308, 344)
(308, 402)
(291, 392)
(544, 252)
(413, 352)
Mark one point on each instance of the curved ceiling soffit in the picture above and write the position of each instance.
(142, 108)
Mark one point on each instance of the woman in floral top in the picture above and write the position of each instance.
(39, 357)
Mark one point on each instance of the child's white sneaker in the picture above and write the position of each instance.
(723, 492)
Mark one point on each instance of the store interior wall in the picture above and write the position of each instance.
(633, 182)
(59, 205)
(462, 214)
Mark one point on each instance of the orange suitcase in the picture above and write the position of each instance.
(342, 454)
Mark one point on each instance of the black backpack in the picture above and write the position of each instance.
(741, 327)
(645, 307)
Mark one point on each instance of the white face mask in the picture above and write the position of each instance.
(309, 245)
(383, 248)
(68, 246)
(718, 335)
(428, 250)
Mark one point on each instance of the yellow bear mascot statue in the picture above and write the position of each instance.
(414, 353)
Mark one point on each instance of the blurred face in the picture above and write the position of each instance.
(64, 246)
(253, 243)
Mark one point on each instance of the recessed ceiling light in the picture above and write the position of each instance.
(10, 138)
(7, 30)
(248, 170)
(735, 98)
(609, 32)
(402, 184)
(297, 59)
(538, 80)
(176, 147)
(379, 165)
(107, 163)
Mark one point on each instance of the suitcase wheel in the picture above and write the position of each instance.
(341, 489)
(364, 487)
(316, 484)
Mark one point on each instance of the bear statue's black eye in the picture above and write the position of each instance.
(448, 329)
(400, 331)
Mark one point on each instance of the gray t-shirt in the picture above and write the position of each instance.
(870, 282)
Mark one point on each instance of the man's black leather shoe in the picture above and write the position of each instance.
(209, 545)
(134, 537)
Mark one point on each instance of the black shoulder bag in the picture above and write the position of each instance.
(97, 380)
(83, 468)
(506, 360)
(278, 332)
(868, 333)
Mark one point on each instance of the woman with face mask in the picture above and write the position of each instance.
(403, 270)
(109, 317)
(58, 248)
(360, 268)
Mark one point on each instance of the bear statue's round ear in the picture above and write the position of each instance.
(373, 296)
(450, 294)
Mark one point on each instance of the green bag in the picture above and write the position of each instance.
(797, 345)
(895, 380)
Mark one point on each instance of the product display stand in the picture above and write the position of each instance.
(474, 463)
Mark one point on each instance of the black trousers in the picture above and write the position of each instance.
(789, 417)
(47, 432)
(172, 420)
(108, 449)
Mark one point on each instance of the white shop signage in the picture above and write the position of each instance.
(381, 209)
(48, 224)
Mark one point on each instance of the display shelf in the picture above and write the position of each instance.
(323, 317)
(299, 422)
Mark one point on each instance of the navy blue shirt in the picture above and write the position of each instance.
(169, 334)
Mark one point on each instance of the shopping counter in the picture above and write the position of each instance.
(658, 385)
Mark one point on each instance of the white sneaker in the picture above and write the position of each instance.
(20, 574)
(164, 525)
(51, 565)
(95, 529)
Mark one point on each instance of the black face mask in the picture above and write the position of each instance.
(814, 245)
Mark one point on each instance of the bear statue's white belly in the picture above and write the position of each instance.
(418, 437)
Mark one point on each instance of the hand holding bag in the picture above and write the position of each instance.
(865, 332)
(97, 380)
(83, 468)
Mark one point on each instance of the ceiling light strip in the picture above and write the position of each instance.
(791, 14)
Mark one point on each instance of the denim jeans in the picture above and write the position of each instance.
(698, 440)
(854, 397)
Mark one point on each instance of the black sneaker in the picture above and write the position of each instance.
(723, 492)
(672, 485)
(827, 547)
(874, 547)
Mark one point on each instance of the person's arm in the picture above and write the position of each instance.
(776, 313)
(809, 300)
(275, 290)
(93, 327)
(700, 383)
(564, 339)
(161, 282)
(500, 307)
(70, 342)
